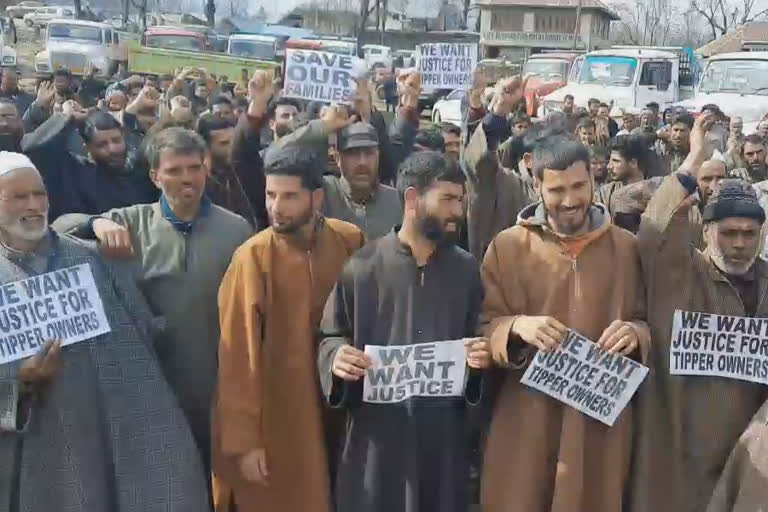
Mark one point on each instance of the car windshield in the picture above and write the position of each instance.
(618, 71)
(549, 69)
(175, 42)
(736, 76)
(252, 49)
(80, 32)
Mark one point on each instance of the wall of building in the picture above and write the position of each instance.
(509, 29)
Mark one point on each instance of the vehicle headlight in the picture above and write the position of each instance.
(43, 66)
(9, 59)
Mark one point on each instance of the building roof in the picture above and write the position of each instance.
(741, 56)
(732, 41)
(570, 4)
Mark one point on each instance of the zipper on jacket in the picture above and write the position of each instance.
(577, 287)
(311, 274)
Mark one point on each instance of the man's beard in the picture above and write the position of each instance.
(718, 258)
(282, 130)
(17, 230)
(291, 228)
(113, 165)
(10, 142)
(433, 229)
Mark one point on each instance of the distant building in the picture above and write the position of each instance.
(748, 37)
(514, 29)
(322, 21)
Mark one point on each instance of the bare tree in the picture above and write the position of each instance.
(646, 22)
(238, 8)
(725, 15)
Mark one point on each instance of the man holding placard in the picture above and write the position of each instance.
(398, 334)
(563, 266)
(101, 430)
(705, 309)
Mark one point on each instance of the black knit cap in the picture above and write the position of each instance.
(733, 198)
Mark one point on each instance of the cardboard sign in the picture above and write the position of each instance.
(319, 76)
(590, 380)
(447, 65)
(425, 369)
(60, 305)
(719, 346)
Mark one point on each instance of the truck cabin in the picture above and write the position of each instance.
(253, 46)
(71, 44)
(736, 73)
(549, 67)
(176, 39)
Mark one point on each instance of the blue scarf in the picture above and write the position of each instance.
(181, 225)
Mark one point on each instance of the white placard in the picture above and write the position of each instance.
(590, 380)
(719, 346)
(447, 65)
(426, 369)
(319, 76)
(59, 305)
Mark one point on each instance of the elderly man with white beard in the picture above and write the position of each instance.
(92, 426)
(689, 423)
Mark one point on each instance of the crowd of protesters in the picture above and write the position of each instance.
(247, 247)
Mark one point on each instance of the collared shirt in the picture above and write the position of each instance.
(182, 225)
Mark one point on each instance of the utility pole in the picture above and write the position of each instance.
(578, 26)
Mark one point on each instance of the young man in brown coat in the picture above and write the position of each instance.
(689, 424)
(564, 266)
(269, 442)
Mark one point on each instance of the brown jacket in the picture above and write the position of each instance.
(687, 426)
(743, 486)
(542, 455)
(496, 195)
(271, 301)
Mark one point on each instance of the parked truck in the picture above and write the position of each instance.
(547, 72)
(257, 46)
(74, 44)
(628, 76)
(737, 83)
(157, 61)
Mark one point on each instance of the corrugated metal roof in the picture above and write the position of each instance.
(732, 41)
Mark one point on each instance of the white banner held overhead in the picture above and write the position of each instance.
(447, 65)
(426, 369)
(320, 76)
(719, 346)
(59, 305)
(582, 375)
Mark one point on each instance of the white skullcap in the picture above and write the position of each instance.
(10, 162)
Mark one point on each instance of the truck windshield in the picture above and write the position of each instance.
(736, 76)
(546, 68)
(74, 32)
(252, 49)
(175, 42)
(618, 71)
(340, 48)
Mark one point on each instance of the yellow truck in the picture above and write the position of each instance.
(166, 50)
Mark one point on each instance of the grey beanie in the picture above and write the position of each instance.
(733, 198)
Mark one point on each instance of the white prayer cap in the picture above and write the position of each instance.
(10, 161)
